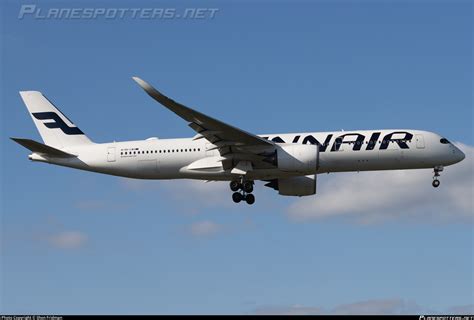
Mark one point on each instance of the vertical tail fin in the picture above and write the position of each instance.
(54, 127)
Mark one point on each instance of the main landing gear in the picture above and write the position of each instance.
(245, 193)
(436, 174)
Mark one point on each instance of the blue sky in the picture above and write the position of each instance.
(78, 242)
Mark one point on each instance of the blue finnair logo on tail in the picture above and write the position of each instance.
(58, 122)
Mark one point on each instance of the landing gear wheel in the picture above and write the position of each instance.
(436, 174)
(235, 185)
(247, 186)
(237, 197)
(250, 198)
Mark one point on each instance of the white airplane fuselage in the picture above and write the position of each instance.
(196, 159)
(288, 163)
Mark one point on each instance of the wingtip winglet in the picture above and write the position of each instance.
(142, 83)
(147, 87)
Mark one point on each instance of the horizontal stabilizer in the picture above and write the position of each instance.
(42, 149)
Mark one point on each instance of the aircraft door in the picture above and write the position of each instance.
(420, 142)
(111, 154)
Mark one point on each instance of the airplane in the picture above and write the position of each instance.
(288, 163)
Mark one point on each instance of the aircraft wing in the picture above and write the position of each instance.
(226, 138)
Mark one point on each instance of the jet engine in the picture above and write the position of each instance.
(295, 186)
(302, 158)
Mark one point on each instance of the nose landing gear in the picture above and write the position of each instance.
(436, 174)
(246, 188)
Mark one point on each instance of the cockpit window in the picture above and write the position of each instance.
(444, 141)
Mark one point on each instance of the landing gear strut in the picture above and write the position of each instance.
(436, 174)
(246, 188)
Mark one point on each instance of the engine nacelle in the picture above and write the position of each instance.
(298, 158)
(297, 186)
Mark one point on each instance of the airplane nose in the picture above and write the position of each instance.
(460, 155)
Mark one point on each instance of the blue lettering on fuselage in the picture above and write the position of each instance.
(357, 140)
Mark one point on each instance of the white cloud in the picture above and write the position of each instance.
(204, 229)
(68, 240)
(370, 197)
